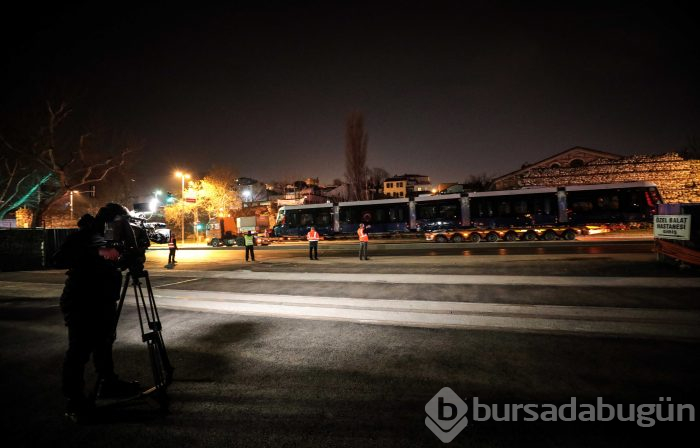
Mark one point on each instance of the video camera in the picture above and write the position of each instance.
(124, 232)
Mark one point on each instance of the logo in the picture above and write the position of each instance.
(447, 415)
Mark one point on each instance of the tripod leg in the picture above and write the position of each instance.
(150, 324)
(125, 288)
(120, 305)
(151, 334)
(156, 326)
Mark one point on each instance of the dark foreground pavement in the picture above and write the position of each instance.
(259, 380)
(254, 381)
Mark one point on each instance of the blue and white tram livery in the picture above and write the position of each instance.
(578, 205)
(378, 216)
(296, 220)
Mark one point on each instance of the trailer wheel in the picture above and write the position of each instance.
(549, 235)
(474, 237)
(492, 237)
(457, 238)
(530, 235)
(569, 235)
(510, 236)
(441, 239)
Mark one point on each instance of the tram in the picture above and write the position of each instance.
(579, 205)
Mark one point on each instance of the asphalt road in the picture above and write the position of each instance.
(338, 352)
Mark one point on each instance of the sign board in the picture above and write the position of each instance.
(672, 227)
(193, 200)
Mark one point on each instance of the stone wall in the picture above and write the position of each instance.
(678, 179)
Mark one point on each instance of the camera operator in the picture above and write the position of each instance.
(88, 303)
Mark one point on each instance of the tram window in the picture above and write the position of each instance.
(380, 215)
(633, 202)
(608, 202)
(349, 215)
(548, 206)
(484, 209)
(487, 210)
(542, 206)
(307, 219)
(426, 212)
(479, 209)
(504, 208)
(448, 211)
(292, 219)
(396, 214)
(582, 206)
(323, 219)
(614, 203)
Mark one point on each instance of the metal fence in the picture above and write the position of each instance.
(30, 249)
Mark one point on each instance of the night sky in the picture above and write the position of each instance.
(448, 89)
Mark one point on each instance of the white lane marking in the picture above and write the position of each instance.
(442, 307)
(634, 322)
(432, 320)
(447, 279)
(177, 283)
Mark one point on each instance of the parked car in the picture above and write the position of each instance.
(230, 240)
(157, 232)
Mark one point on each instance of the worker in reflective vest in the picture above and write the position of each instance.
(364, 239)
(172, 245)
(313, 238)
(249, 245)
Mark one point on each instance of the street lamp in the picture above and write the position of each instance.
(183, 176)
(246, 195)
(153, 206)
(71, 199)
(71, 204)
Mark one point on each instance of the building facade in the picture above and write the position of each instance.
(404, 186)
(677, 178)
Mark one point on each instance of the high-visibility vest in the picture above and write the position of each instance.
(312, 236)
(363, 236)
(171, 243)
(249, 240)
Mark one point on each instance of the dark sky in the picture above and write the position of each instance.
(448, 89)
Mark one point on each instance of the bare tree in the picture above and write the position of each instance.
(55, 164)
(20, 182)
(479, 182)
(375, 178)
(356, 156)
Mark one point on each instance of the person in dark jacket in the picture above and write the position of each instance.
(88, 304)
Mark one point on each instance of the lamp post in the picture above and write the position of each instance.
(71, 199)
(153, 206)
(246, 196)
(71, 205)
(183, 176)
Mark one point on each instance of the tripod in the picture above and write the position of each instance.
(151, 327)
